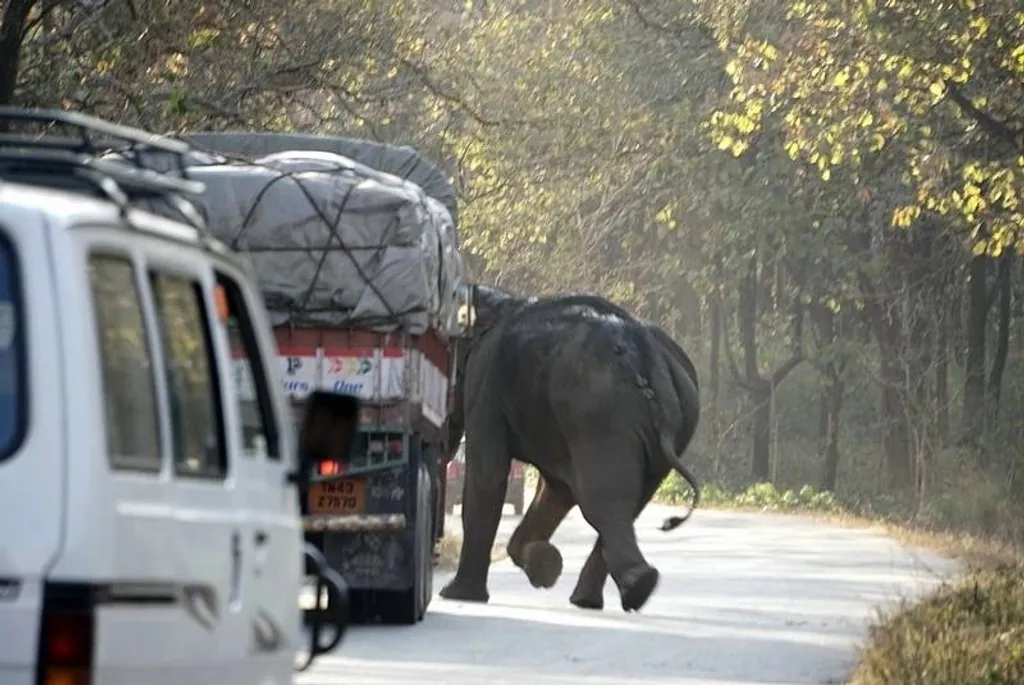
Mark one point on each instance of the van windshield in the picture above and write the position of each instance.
(12, 371)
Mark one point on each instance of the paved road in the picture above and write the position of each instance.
(744, 599)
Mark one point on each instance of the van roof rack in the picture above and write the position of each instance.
(85, 154)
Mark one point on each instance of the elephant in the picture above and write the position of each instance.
(601, 403)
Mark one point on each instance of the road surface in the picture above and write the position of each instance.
(744, 599)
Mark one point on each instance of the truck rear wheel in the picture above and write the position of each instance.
(408, 607)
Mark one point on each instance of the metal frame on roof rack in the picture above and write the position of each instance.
(87, 156)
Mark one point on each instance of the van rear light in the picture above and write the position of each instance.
(66, 648)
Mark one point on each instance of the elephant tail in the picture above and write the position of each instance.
(673, 522)
(680, 411)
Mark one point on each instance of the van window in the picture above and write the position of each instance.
(129, 388)
(13, 400)
(197, 429)
(259, 430)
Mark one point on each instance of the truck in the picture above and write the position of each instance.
(355, 247)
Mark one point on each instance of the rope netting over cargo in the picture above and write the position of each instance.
(333, 241)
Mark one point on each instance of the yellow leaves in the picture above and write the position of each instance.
(866, 120)
(903, 217)
(739, 147)
(726, 142)
(980, 248)
(979, 26)
(664, 217)
(203, 38)
(826, 174)
(877, 142)
(793, 150)
(953, 73)
(842, 78)
(745, 124)
(973, 174)
(938, 89)
(1016, 59)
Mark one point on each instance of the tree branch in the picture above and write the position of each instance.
(780, 373)
(730, 357)
(995, 128)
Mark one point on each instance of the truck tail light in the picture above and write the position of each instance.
(329, 468)
(66, 647)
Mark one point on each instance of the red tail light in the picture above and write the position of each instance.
(67, 648)
(329, 468)
(454, 469)
(517, 468)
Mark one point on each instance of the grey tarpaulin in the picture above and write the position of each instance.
(401, 161)
(333, 241)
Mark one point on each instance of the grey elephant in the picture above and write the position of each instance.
(603, 404)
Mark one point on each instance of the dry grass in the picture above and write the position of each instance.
(968, 633)
(450, 546)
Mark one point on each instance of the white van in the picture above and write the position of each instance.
(150, 531)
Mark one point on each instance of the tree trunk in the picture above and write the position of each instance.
(887, 327)
(761, 468)
(973, 420)
(942, 352)
(758, 386)
(957, 344)
(995, 379)
(831, 407)
(714, 373)
(898, 463)
(12, 30)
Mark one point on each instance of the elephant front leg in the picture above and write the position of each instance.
(483, 500)
(529, 547)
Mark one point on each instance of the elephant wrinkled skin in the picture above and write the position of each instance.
(604, 406)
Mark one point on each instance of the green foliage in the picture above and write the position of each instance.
(760, 496)
(969, 633)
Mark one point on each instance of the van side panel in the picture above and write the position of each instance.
(33, 478)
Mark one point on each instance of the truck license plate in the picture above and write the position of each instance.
(338, 497)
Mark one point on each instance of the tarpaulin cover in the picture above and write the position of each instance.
(335, 241)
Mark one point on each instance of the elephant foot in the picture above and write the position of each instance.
(637, 587)
(587, 600)
(465, 592)
(542, 563)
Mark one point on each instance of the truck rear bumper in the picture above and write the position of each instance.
(355, 523)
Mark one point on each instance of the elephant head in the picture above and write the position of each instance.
(481, 307)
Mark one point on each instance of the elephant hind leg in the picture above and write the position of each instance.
(609, 497)
(529, 547)
(589, 591)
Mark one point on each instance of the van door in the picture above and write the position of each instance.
(32, 445)
(272, 502)
(209, 509)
